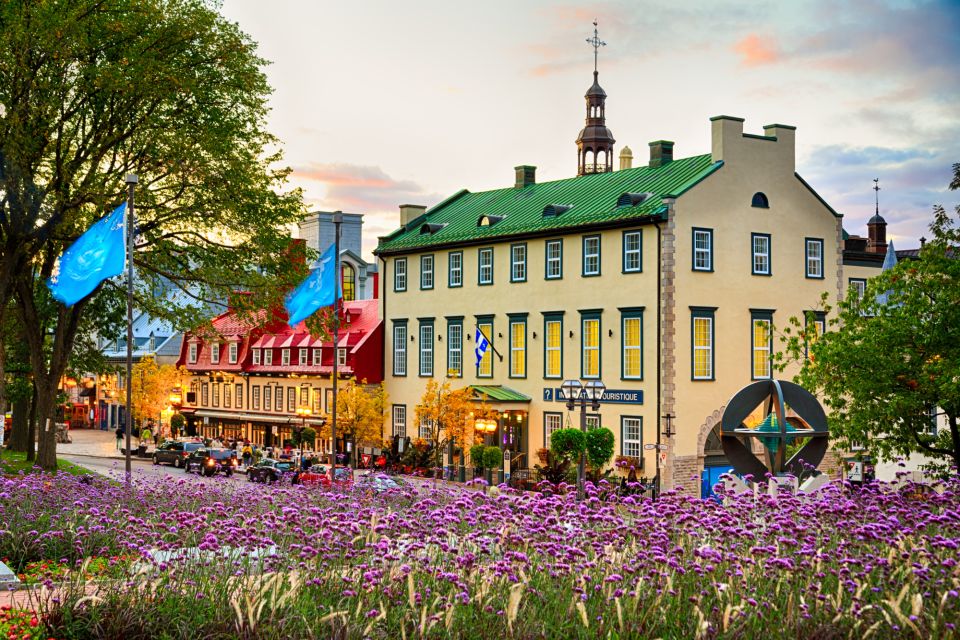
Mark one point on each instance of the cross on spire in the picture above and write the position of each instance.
(876, 189)
(596, 43)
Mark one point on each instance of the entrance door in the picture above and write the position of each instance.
(710, 477)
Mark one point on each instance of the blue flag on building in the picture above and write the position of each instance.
(98, 254)
(481, 348)
(889, 262)
(317, 290)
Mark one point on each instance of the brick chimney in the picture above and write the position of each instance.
(661, 153)
(526, 176)
(410, 212)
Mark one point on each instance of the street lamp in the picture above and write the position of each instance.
(304, 413)
(574, 390)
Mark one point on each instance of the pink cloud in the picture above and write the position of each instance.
(756, 51)
(360, 189)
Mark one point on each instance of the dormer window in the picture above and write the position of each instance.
(488, 220)
(285, 357)
(215, 353)
(554, 210)
(256, 356)
(232, 353)
(192, 353)
(430, 228)
(268, 357)
(633, 199)
(760, 201)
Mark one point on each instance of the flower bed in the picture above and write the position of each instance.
(17, 624)
(456, 563)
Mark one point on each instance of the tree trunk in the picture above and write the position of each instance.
(20, 432)
(47, 424)
(32, 427)
(955, 440)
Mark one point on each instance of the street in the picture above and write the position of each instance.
(143, 468)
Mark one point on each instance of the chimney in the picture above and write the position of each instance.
(410, 212)
(786, 139)
(661, 153)
(626, 159)
(526, 176)
(725, 133)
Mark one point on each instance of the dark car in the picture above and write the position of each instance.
(211, 461)
(269, 470)
(174, 452)
(379, 482)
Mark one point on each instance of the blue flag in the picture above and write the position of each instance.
(317, 290)
(481, 347)
(98, 254)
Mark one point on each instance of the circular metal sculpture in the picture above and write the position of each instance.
(776, 431)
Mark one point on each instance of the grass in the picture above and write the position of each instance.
(16, 462)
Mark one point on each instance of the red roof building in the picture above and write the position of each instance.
(250, 377)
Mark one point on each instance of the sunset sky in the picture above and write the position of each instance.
(387, 103)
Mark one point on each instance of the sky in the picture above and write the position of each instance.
(382, 103)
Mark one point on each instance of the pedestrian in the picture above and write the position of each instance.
(247, 453)
(119, 437)
(146, 435)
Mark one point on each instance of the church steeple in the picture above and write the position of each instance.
(595, 142)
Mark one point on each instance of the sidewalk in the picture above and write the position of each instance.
(94, 443)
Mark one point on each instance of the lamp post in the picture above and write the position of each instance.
(668, 418)
(574, 391)
(304, 413)
(337, 221)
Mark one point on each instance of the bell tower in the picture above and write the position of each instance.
(595, 142)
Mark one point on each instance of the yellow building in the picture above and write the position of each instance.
(663, 281)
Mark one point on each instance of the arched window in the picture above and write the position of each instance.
(348, 279)
(760, 200)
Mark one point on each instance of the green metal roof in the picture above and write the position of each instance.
(594, 199)
(499, 393)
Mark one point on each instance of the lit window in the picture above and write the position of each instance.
(702, 352)
(553, 350)
(348, 282)
(278, 399)
(216, 394)
(762, 344)
(455, 349)
(703, 250)
(633, 345)
(518, 348)
(590, 362)
(226, 396)
(760, 243)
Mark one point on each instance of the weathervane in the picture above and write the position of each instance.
(876, 189)
(596, 43)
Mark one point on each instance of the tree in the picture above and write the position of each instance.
(360, 411)
(169, 90)
(885, 365)
(448, 413)
(567, 444)
(152, 383)
(599, 444)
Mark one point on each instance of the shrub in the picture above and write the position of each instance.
(177, 422)
(567, 444)
(307, 436)
(476, 455)
(492, 458)
(599, 444)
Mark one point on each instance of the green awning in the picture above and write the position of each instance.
(498, 393)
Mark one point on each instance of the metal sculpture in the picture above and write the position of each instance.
(776, 431)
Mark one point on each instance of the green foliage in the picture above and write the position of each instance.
(476, 455)
(599, 445)
(178, 422)
(307, 436)
(554, 470)
(492, 457)
(567, 444)
(883, 365)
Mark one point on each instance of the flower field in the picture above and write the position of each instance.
(460, 563)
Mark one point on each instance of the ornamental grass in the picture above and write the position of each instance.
(301, 562)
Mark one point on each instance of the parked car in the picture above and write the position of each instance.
(320, 475)
(211, 461)
(269, 470)
(174, 452)
(379, 482)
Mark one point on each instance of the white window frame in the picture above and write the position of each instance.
(341, 357)
(590, 256)
(426, 271)
(400, 274)
(552, 421)
(631, 446)
(302, 357)
(548, 349)
(518, 263)
(556, 260)
(813, 260)
(256, 357)
(192, 353)
(316, 357)
(585, 349)
(285, 357)
(708, 349)
(631, 348)
(455, 349)
(455, 268)
(518, 354)
(232, 353)
(632, 254)
(268, 357)
(400, 349)
(760, 262)
(399, 420)
(215, 353)
(767, 351)
(859, 285)
(426, 363)
(425, 430)
(485, 264)
(703, 249)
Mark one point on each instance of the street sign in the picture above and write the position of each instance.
(663, 456)
(651, 447)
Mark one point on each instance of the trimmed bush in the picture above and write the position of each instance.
(492, 458)
(567, 444)
(476, 455)
(599, 443)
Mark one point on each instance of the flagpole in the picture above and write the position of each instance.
(490, 344)
(131, 181)
(337, 220)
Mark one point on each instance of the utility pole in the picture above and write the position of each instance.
(337, 221)
(131, 181)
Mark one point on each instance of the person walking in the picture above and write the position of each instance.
(247, 453)
(119, 437)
